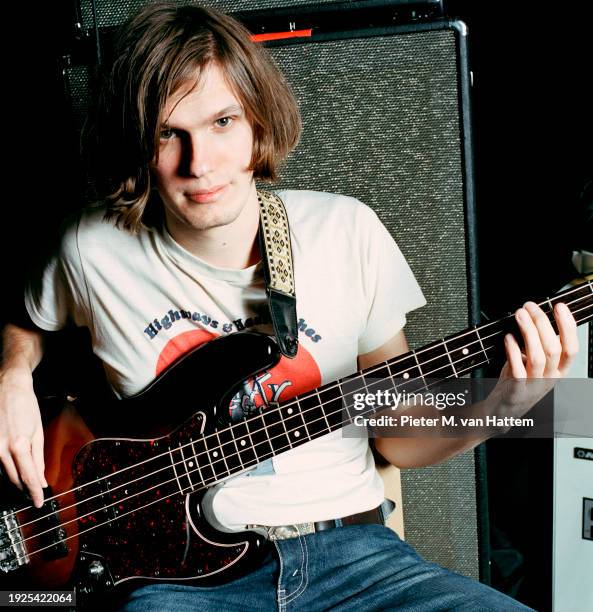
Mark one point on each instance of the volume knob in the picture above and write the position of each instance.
(96, 569)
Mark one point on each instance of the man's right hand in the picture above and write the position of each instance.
(21, 434)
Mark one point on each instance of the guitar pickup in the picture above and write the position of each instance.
(53, 535)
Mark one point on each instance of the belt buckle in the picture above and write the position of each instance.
(284, 532)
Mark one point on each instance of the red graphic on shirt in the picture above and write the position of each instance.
(180, 345)
(289, 377)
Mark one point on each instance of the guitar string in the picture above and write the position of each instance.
(265, 427)
(222, 459)
(160, 499)
(251, 433)
(216, 477)
(371, 370)
(335, 384)
(137, 509)
(205, 485)
(381, 366)
(168, 466)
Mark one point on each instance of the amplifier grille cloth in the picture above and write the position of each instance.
(114, 12)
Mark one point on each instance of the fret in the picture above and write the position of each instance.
(226, 465)
(203, 461)
(259, 438)
(320, 404)
(548, 307)
(331, 402)
(229, 449)
(314, 415)
(175, 471)
(348, 398)
(189, 463)
(435, 361)
(215, 457)
(420, 370)
(406, 374)
(295, 424)
(465, 350)
(455, 374)
(482, 347)
(349, 387)
(584, 310)
(244, 444)
(276, 430)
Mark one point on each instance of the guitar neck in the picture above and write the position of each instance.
(328, 408)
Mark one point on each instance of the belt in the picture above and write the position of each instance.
(284, 532)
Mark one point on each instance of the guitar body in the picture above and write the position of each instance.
(149, 528)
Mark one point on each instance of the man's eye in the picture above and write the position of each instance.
(224, 122)
(167, 134)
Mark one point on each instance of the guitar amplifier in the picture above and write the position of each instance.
(384, 94)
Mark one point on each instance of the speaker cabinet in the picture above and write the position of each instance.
(384, 121)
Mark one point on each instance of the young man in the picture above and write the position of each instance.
(191, 114)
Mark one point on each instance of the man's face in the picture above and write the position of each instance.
(205, 150)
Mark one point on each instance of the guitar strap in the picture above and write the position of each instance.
(276, 253)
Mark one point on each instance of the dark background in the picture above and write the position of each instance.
(533, 132)
(533, 135)
(533, 156)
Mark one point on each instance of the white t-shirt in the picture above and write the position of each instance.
(146, 301)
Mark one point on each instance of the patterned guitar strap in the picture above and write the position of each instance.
(276, 253)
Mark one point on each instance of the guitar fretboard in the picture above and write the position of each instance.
(316, 413)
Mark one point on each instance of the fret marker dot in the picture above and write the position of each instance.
(406, 375)
(297, 434)
(243, 442)
(191, 464)
(465, 351)
(215, 453)
(289, 411)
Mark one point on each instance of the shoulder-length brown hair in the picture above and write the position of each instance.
(157, 51)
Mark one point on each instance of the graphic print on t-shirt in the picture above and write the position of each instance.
(289, 377)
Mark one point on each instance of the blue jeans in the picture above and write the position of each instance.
(358, 568)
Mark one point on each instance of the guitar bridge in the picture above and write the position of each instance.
(12, 548)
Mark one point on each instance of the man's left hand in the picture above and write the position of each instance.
(530, 373)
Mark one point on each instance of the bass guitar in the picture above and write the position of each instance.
(125, 503)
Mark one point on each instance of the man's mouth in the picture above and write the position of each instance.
(207, 195)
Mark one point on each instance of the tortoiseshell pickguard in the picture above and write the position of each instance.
(136, 518)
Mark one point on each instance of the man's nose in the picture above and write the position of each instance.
(197, 156)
